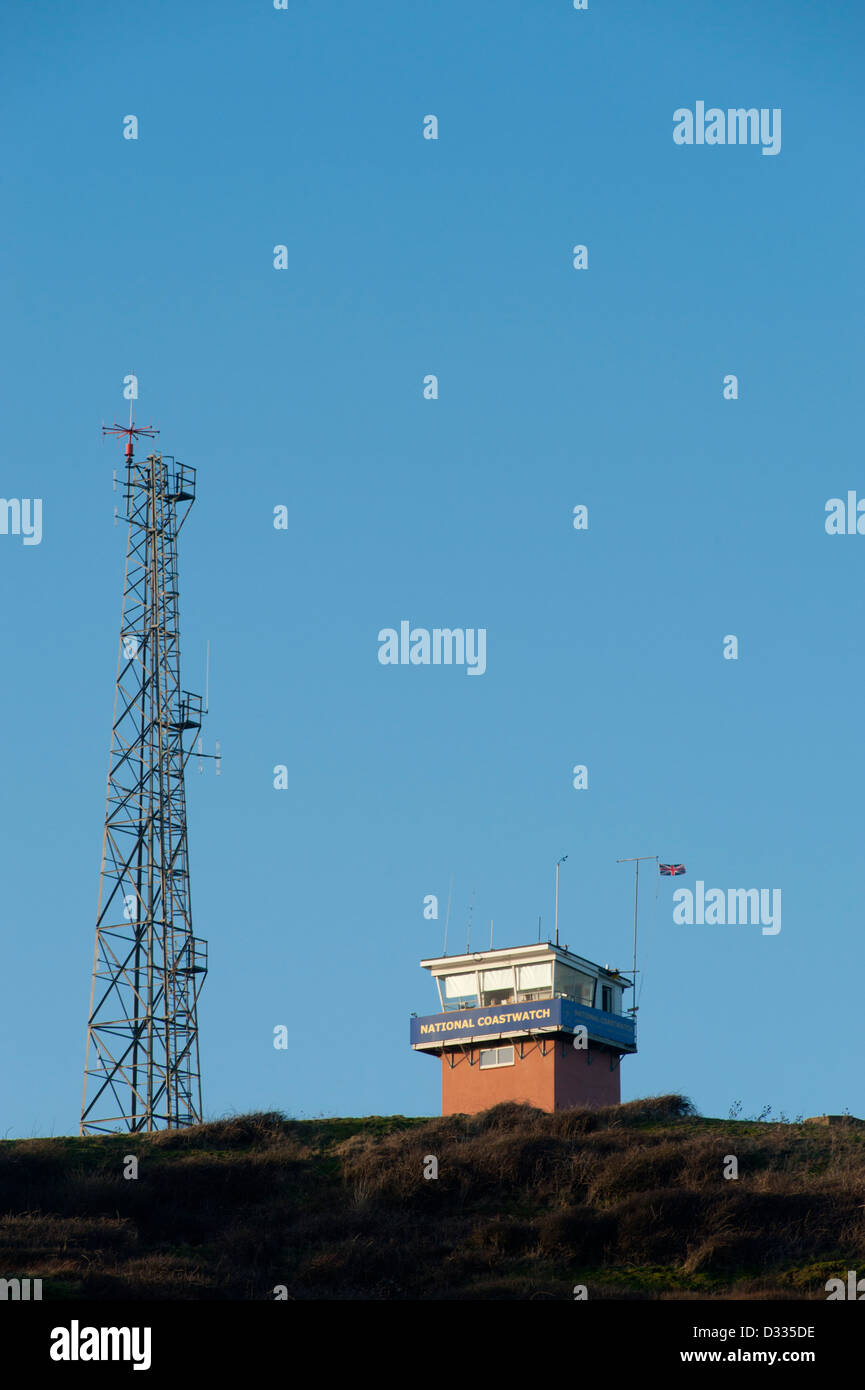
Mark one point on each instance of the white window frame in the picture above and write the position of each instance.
(488, 1066)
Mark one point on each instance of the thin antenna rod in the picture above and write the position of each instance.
(539, 927)
(207, 680)
(491, 933)
(448, 915)
(471, 910)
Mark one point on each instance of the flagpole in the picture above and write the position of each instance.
(636, 901)
(636, 863)
(558, 862)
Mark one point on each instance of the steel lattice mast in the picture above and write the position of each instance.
(141, 1070)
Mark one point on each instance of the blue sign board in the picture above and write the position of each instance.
(552, 1015)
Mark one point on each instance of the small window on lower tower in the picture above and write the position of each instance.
(497, 1057)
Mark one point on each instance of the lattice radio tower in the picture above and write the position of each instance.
(141, 1070)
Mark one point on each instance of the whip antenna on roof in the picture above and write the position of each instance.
(448, 915)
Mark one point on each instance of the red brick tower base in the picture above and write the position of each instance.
(547, 1072)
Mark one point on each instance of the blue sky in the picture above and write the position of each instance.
(304, 387)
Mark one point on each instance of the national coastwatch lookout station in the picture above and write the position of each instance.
(526, 1023)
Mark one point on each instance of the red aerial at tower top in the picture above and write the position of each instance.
(132, 431)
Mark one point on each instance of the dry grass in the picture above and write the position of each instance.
(630, 1200)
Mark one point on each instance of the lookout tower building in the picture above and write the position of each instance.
(526, 1023)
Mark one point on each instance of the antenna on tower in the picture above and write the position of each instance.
(132, 431)
(215, 757)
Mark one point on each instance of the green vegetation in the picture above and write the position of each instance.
(630, 1201)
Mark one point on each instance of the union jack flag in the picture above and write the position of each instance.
(671, 870)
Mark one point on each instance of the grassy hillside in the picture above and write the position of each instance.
(630, 1201)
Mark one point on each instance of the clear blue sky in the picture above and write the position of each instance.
(303, 387)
